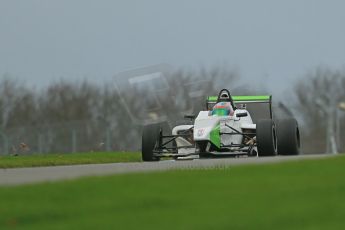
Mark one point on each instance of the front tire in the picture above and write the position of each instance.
(150, 138)
(266, 138)
(288, 136)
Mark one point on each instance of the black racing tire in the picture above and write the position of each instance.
(288, 136)
(266, 138)
(150, 138)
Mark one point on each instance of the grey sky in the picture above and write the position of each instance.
(268, 40)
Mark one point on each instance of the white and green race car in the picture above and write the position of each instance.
(230, 132)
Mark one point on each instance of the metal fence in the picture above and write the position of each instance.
(87, 136)
(69, 137)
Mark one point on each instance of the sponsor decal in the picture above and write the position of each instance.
(201, 132)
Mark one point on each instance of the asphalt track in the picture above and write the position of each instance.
(20, 176)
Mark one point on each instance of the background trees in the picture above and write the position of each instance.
(318, 96)
(79, 116)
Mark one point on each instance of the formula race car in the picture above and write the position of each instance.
(224, 130)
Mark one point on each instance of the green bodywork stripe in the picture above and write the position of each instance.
(212, 98)
(251, 98)
(215, 136)
(243, 98)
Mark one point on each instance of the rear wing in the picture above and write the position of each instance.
(212, 100)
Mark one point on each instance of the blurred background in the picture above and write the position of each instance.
(81, 75)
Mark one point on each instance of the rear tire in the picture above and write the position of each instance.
(288, 136)
(266, 138)
(150, 139)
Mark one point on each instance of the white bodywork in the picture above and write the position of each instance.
(205, 123)
(180, 141)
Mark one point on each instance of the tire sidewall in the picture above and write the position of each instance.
(288, 136)
(150, 138)
(266, 137)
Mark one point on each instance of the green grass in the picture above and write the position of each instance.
(67, 159)
(294, 195)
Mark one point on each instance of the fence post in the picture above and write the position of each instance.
(74, 141)
(108, 140)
